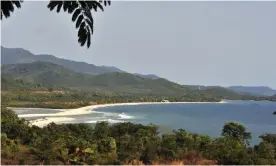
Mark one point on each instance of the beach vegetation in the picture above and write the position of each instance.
(236, 131)
(127, 143)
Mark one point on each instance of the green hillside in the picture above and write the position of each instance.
(8, 83)
(52, 75)
(48, 74)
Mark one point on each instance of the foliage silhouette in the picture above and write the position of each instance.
(80, 11)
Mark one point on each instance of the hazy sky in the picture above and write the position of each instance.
(207, 43)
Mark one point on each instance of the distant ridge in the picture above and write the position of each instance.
(50, 70)
(47, 74)
(254, 90)
(20, 55)
(152, 76)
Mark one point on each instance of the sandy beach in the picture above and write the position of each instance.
(60, 117)
(44, 121)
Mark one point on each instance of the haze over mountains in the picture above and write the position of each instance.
(19, 55)
(254, 90)
(50, 74)
(47, 74)
(50, 70)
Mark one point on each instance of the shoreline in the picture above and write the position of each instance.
(61, 116)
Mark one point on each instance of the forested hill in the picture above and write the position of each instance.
(19, 55)
(257, 90)
(45, 74)
(49, 74)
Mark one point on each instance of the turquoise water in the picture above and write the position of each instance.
(204, 118)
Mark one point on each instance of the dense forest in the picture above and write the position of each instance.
(68, 98)
(19, 93)
(45, 75)
(127, 143)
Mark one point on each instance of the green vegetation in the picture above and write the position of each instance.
(49, 85)
(42, 84)
(127, 143)
(75, 99)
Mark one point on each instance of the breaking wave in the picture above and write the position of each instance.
(108, 120)
(125, 116)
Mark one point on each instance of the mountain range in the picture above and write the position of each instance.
(254, 90)
(48, 70)
(19, 55)
(50, 74)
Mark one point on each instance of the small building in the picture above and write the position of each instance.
(165, 101)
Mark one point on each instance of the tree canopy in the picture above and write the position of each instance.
(126, 144)
(80, 10)
(235, 130)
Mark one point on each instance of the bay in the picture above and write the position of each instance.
(205, 118)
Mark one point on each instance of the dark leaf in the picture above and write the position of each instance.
(76, 14)
(83, 5)
(88, 39)
(79, 20)
(81, 14)
(59, 7)
(88, 15)
(7, 7)
(95, 5)
(82, 34)
(90, 25)
(66, 5)
(106, 2)
(17, 3)
(52, 4)
(10, 6)
(90, 5)
(74, 5)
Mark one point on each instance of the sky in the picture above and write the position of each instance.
(199, 43)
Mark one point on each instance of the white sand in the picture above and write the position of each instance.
(60, 116)
(45, 121)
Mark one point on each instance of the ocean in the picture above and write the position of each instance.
(203, 118)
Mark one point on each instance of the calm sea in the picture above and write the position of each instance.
(202, 118)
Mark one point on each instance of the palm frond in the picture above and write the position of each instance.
(81, 15)
(7, 7)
